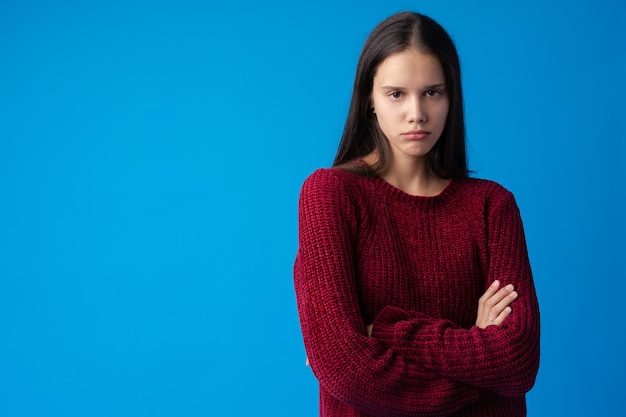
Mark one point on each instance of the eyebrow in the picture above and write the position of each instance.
(428, 87)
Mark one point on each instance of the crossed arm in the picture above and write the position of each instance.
(404, 363)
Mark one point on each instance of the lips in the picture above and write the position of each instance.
(416, 134)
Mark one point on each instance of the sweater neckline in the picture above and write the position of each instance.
(426, 201)
(399, 195)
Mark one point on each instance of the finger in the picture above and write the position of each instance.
(307, 361)
(502, 294)
(488, 294)
(502, 316)
(490, 291)
(502, 304)
(492, 307)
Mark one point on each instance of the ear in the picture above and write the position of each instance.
(370, 104)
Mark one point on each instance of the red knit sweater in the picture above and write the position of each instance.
(415, 267)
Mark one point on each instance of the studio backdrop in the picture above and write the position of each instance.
(151, 158)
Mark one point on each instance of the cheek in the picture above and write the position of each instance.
(443, 113)
(388, 111)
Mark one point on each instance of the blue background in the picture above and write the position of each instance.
(151, 155)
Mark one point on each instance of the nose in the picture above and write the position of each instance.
(417, 111)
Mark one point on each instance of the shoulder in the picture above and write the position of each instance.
(328, 199)
(330, 181)
(485, 190)
(488, 197)
(496, 202)
(331, 191)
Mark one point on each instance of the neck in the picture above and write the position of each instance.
(414, 177)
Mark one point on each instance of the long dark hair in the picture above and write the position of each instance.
(362, 135)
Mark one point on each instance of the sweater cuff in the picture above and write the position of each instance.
(384, 325)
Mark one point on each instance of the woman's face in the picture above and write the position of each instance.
(410, 102)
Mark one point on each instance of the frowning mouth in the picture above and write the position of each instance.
(416, 134)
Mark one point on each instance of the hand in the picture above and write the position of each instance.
(495, 305)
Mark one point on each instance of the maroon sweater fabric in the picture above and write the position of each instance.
(415, 267)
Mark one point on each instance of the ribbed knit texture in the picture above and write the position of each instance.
(415, 267)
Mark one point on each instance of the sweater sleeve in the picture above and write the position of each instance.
(355, 369)
(503, 359)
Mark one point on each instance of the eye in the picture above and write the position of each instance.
(395, 94)
(432, 93)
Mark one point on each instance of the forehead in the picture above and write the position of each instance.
(409, 68)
